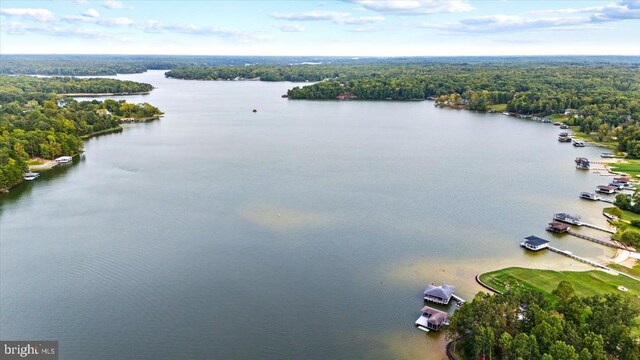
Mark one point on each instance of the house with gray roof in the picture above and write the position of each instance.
(439, 294)
(431, 319)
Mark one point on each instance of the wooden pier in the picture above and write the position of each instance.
(590, 262)
(597, 241)
(597, 227)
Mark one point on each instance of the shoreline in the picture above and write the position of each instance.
(50, 164)
(105, 94)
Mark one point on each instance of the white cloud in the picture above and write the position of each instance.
(154, 26)
(291, 28)
(109, 22)
(508, 23)
(34, 14)
(113, 4)
(333, 16)
(16, 28)
(92, 13)
(589, 17)
(414, 7)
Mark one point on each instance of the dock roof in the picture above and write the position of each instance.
(535, 241)
(441, 292)
(436, 317)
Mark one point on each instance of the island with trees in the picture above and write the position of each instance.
(39, 120)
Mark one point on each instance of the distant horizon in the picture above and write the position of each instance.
(323, 56)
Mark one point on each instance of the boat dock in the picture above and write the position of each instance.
(597, 241)
(458, 299)
(590, 262)
(575, 220)
(597, 227)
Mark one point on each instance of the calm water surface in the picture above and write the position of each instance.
(306, 230)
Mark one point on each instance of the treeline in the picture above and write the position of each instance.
(600, 98)
(524, 325)
(17, 88)
(37, 122)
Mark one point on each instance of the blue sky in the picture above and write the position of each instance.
(316, 28)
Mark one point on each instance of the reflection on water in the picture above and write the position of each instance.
(306, 230)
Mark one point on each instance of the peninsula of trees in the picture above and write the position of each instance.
(38, 121)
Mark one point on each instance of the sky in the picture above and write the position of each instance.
(321, 28)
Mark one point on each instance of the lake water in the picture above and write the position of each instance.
(308, 229)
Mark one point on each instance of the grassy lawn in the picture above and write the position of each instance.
(631, 167)
(626, 215)
(635, 271)
(34, 162)
(498, 107)
(585, 283)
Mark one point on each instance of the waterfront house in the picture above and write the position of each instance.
(439, 294)
(346, 96)
(534, 243)
(606, 189)
(622, 179)
(558, 227)
(431, 319)
(564, 217)
(63, 159)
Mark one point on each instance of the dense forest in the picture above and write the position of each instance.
(526, 325)
(602, 99)
(37, 122)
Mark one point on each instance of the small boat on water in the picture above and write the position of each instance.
(506, 113)
(607, 155)
(557, 123)
(589, 196)
(582, 163)
(564, 217)
(64, 159)
(578, 143)
(30, 176)
(546, 120)
(564, 126)
(564, 139)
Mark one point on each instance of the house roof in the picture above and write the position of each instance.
(535, 241)
(441, 292)
(436, 317)
(558, 225)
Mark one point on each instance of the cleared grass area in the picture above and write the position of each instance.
(585, 283)
(635, 271)
(626, 215)
(34, 162)
(498, 107)
(631, 167)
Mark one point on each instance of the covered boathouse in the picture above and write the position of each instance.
(534, 243)
(558, 227)
(431, 319)
(439, 294)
